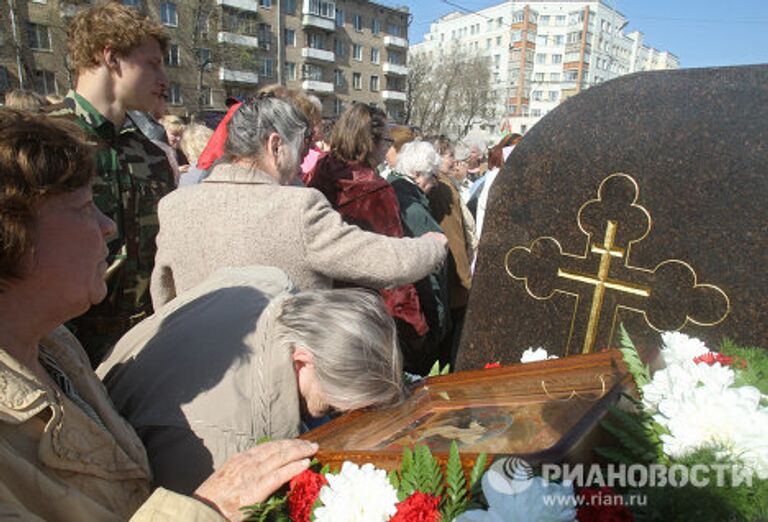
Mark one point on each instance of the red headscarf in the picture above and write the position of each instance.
(215, 147)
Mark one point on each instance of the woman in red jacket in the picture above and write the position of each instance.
(348, 178)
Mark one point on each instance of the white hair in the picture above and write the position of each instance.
(462, 151)
(418, 157)
(353, 342)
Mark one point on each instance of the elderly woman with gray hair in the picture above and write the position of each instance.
(412, 178)
(247, 212)
(242, 356)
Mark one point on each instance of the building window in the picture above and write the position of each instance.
(557, 58)
(396, 30)
(396, 58)
(488, 43)
(339, 18)
(541, 58)
(172, 56)
(340, 48)
(267, 68)
(174, 94)
(498, 41)
(316, 41)
(338, 107)
(374, 83)
(554, 77)
(375, 26)
(265, 3)
(357, 52)
(357, 21)
(312, 72)
(357, 81)
(552, 96)
(168, 14)
(338, 77)
(289, 6)
(544, 20)
(39, 37)
(560, 20)
(374, 55)
(322, 8)
(290, 70)
(265, 36)
(538, 77)
(559, 39)
(536, 95)
(290, 37)
(45, 82)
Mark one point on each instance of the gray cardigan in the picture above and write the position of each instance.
(240, 217)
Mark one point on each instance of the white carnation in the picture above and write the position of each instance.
(677, 379)
(536, 354)
(357, 494)
(678, 347)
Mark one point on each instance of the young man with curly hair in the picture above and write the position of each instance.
(118, 57)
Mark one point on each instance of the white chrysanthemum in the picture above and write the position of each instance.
(536, 354)
(357, 494)
(676, 379)
(678, 347)
(731, 418)
(531, 500)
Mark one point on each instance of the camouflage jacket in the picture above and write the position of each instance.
(132, 174)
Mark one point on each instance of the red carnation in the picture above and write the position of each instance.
(603, 505)
(419, 507)
(492, 365)
(711, 358)
(304, 490)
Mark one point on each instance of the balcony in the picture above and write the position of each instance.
(233, 75)
(395, 41)
(319, 13)
(245, 5)
(317, 86)
(395, 69)
(393, 96)
(237, 39)
(318, 54)
(309, 20)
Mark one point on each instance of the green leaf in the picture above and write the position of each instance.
(477, 470)
(273, 509)
(456, 497)
(640, 372)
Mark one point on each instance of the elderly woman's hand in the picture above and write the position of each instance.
(252, 476)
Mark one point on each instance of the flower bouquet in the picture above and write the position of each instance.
(419, 491)
(705, 411)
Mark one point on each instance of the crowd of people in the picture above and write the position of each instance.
(171, 294)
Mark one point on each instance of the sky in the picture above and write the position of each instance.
(702, 33)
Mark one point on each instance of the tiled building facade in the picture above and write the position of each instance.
(343, 51)
(544, 51)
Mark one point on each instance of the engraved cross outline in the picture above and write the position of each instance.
(548, 247)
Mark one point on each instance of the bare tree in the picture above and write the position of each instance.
(449, 95)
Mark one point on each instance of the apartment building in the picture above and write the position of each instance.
(542, 52)
(343, 51)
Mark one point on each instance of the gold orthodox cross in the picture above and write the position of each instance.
(668, 296)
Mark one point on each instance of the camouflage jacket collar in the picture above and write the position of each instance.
(90, 115)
